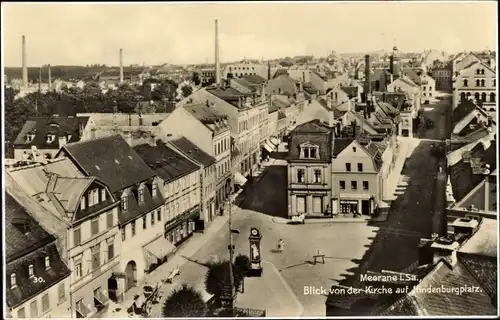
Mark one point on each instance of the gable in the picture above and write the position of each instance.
(354, 150)
(471, 70)
(308, 144)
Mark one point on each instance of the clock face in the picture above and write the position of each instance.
(255, 232)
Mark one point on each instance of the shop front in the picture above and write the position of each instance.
(363, 205)
(310, 203)
(157, 252)
(182, 227)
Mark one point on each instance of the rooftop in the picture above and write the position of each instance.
(164, 161)
(190, 150)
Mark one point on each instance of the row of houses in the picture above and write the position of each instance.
(119, 193)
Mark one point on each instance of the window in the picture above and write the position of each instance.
(494, 82)
(31, 271)
(158, 213)
(482, 71)
(348, 167)
(300, 175)
(306, 152)
(154, 189)
(111, 249)
(62, 292)
(492, 97)
(124, 235)
(354, 185)
(313, 153)
(13, 282)
(94, 225)
(360, 167)
(82, 203)
(483, 96)
(466, 83)
(478, 83)
(78, 269)
(353, 149)
(124, 203)
(365, 185)
(96, 256)
(342, 185)
(103, 194)
(109, 220)
(152, 218)
(45, 303)
(482, 82)
(95, 195)
(33, 309)
(424, 88)
(21, 314)
(317, 176)
(478, 71)
(141, 195)
(132, 225)
(144, 222)
(47, 263)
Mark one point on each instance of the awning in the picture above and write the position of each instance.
(239, 179)
(267, 147)
(270, 144)
(160, 247)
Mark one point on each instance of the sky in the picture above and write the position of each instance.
(182, 33)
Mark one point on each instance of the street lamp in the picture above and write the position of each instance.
(229, 294)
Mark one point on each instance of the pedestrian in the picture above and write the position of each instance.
(281, 245)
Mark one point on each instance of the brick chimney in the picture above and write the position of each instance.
(121, 66)
(153, 140)
(25, 65)
(217, 65)
(50, 77)
(368, 87)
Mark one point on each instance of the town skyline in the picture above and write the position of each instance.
(189, 31)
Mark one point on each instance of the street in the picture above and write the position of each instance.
(350, 248)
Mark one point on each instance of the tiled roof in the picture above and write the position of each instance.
(111, 160)
(462, 178)
(476, 198)
(339, 144)
(462, 110)
(226, 93)
(164, 161)
(281, 115)
(208, 116)
(255, 79)
(373, 150)
(352, 92)
(445, 276)
(413, 75)
(191, 151)
(484, 269)
(27, 243)
(483, 242)
(42, 126)
(313, 132)
(336, 112)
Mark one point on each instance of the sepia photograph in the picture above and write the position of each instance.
(246, 159)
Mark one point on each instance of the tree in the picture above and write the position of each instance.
(242, 267)
(184, 302)
(196, 78)
(186, 91)
(217, 278)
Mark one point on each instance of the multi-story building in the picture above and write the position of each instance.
(42, 137)
(476, 81)
(357, 186)
(208, 129)
(245, 68)
(208, 173)
(425, 82)
(442, 72)
(135, 186)
(180, 184)
(242, 111)
(83, 213)
(37, 279)
(309, 169)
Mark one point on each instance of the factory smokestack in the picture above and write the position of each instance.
(121, 66)
(50, 77)
(217, 66)
(40, 79)
(368, 83)
(25, 66)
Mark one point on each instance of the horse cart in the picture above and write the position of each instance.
(143, 303)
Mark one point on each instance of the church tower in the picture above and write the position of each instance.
(395, 61)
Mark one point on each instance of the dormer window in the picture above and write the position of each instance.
(124, 203)
(154, 189)
(309, 152)
(30, 137)
(31, 271)
(50, 138)
(47, 263)
(13, 281)
(140, 195)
